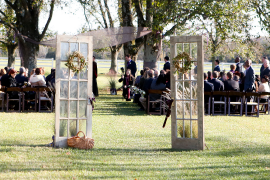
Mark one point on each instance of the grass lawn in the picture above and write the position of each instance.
(132, 145)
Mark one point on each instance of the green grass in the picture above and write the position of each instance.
(132, 145)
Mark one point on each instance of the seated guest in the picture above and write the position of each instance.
(138, 78)
(143, 78)
(208, 87)
(157, 84)
(147, 82)
(218, 85)
(242, 81)
(209, 75)
(264, 87)
(155, 73)
(230, 84)
(5, 77)
(20, 78)
(162, 72)
(257, 82)
(233, 67)
(37, 79)
(127, 80)
(2, 73)
(217, 68)
(49, 77)
(222, 76)
(11, 78)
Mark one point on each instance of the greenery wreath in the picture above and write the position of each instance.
(177, 61)
(81, 62)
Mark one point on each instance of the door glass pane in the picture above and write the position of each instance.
(64, 89)
(63, 72)
(193, 51)
(63, 109)
(63, 128)
(184, 129)
(73, 109)
(180, 128)
(194, 109)
(179, 109)
(74, 47)
(64, 50)
(74, 89)
(84, 50)
(187, 109)
(72, 128)
(179, 48)
(194, 129)
(82, 107)
(82, 125)
(84, 74)
(83, 90)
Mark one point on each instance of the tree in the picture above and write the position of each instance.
(26, 27)
(262, 8)
(8, 40)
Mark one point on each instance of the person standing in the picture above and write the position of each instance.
(167, 63)
(262, 67)
(250, 77)
(265, 70)
(238, 65)
(131, 65)
(95, 72)
(217, 68)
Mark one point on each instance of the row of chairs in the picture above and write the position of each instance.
(20, 102)
(238, 100)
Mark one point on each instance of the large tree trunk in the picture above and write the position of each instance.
(29, 54)
(151, 52)
(11, 55)
(114, 55)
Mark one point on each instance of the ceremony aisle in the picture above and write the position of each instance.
(132, 145)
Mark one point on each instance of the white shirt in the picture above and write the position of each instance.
(264, 87)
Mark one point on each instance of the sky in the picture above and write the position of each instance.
(70, 19)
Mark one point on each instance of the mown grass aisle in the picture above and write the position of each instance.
(132, 145)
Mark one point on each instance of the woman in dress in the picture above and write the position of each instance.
(127, 82)
(37, 79)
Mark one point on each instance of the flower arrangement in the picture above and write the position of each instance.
(81, 62)
(137, 90)
(179, 59)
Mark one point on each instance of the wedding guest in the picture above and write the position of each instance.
(143, 79)
(127, 80)
(265, 70)
(20, 78)
(11, 78)
(233, 67)
(155, 73)
(5, 77)
(147, 83)
(249, 85)
(209, 76)
(2, 73)
(37, 79)
(238, 65)
(264, 87)
(157, 84)
(138, 78)
(168, 79)
(262, 67)
(217, 68)
(131, 65)
(50, 76)
(167, 63)
(242, 81)
(230, 84)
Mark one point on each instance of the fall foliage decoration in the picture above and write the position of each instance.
(184, 59)
(81, 62)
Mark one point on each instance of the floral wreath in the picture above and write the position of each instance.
(179, 59)
(81, 62)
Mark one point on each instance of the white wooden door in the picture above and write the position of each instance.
(73, 110)
(187, 91)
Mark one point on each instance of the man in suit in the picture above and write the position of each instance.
(148, 82)
(218, 85)
(131, 65)
(250, 77)
(208, 87)
(217, 68)
(238, 65)
(262, 67)
(230, 84)
(266, 70)
(167, 63)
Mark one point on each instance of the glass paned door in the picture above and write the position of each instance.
(73, 90)
(187, 91)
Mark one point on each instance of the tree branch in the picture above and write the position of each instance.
(103, 14)
(10, 4)
(108, 13)
(141, 21)
(5, 43)
(48, 21)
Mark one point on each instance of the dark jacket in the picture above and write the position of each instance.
(147, 84)
(218, 85)
(95, 71)
(261, 69)
(166, 66)
(132, 66)
(4, 80)
(231, 85)
(238, 67)
(155, 86)
(264, 72)
(249, 80)
(208, 87)
(21, 79)
(217, 68)
(11, 82)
